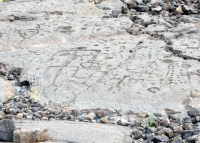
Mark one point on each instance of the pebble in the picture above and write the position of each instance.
(90, 116)
(104, 120)
(177, 129)
(100, 113)
(19, 116)
(165, 122)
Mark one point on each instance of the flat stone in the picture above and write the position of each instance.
(79, 131)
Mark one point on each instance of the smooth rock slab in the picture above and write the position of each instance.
(80, 132)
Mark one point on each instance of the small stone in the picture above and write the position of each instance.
(104, 120)
(142, 8)
(177, 129)
(90, 116)
(193, 112)
(2, 115)
(151, 130)
(177, 138)
(179, 10)
(197, 118)
(9, 116)
(29, 117)
(166, 7)
(45, 118)
(188, 126)
(81, 118)
(187, 119)
(100, 113)
(143, 114)
(20, 105)
(137, 134)
(161, 138)
(71, 118)
(37, 115)
(74, 112)
(157, 9)
(12, 111)
(165, 122)
(120, 122)
(132, 119)
(187, 133)
(168, 132)
(19, 116)
(7, 128)
(52, 119)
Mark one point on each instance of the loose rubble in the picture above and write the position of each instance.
(169, 128)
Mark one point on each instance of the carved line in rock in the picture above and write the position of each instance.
(28, 33)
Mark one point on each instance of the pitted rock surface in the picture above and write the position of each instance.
(85, 58)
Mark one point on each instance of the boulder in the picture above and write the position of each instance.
(7, 128)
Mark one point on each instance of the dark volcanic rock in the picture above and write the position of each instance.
(187, 133)
(162, 138)
(193, 112)
(7, 128)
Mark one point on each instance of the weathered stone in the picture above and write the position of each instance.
(188, 126)
(161, 138)
(9, 116)
(30, 135)
(100, 113)
(177, 129)
(187, 133)
(19, 116)
(143, 114)
(37, 115)
(165, 122)
(193, 112)
(2, 115)
(142, 8)
(104, 120)
(45, 118)
(151, 130)
(137, 134)
(7, 128)
(157, 9)
(90, 116)
(179, 10)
